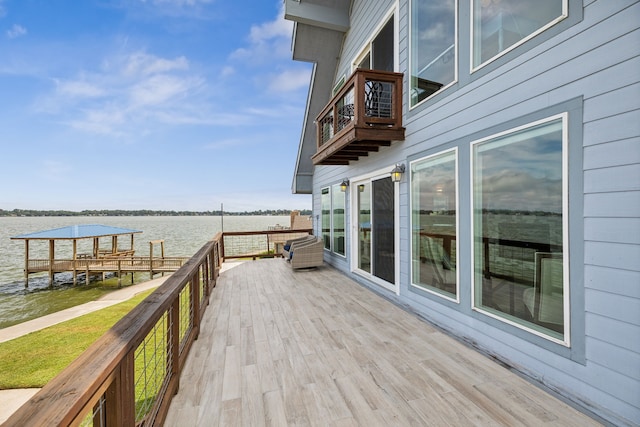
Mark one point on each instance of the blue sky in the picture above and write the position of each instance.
(149, 104)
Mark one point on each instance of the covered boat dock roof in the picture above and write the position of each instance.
(74, 232)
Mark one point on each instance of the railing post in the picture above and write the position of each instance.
(195, 300)
(358, 98)
(120, 396)
(173, 356)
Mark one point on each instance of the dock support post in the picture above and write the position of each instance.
(52, 250)
(119, 274)
(26, 263)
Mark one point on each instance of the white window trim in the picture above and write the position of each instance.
(563, 16)
(366, 48)
(565, 231)
(416, 286)
(381, 173)
(410, 58)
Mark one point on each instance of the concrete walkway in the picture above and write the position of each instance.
(11, 400)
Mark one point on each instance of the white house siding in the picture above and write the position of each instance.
(593, 68)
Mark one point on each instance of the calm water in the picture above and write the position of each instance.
(182, 236)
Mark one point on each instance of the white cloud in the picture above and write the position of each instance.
(227, 71)
(289, 80)
(129, 94)
(267, 40)
(160, 89)
(15, 31)
(141, 63)
(79, 89)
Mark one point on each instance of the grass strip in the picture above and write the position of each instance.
(34, 359)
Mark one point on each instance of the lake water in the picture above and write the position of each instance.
(182, 235)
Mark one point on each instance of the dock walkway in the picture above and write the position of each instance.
(282, 347)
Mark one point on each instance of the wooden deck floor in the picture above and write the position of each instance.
(280, 348)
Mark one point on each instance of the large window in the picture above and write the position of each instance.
(499, 25)
(326, 217)
(519, 227)
(434, 224)
(333, 219)
(433, 47)
(337, 219)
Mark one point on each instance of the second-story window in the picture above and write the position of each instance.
(433, 47)
(380, 53)
(499, 25)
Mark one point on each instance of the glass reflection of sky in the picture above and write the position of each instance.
(523, 175)
(433, 34)
(434, 185)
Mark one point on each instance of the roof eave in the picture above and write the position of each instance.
(318, 35)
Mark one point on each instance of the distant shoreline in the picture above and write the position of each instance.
(144, 212)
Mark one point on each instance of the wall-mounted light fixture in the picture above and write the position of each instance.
(344, 185)
(361, 188)
(397, 172)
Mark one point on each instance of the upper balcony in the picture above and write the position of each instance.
(364, 115)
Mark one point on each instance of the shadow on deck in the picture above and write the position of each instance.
(281, 347)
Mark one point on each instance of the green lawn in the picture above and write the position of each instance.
(34, 359)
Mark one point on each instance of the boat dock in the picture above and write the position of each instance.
(100, 261)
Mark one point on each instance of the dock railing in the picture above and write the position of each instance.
(129, 375)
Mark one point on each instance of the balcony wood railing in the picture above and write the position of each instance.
(363, 116)
(129, 376)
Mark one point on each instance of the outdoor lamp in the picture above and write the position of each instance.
(344, 185)
(396, 173)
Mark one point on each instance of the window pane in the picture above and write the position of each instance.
(326, 217)
(500, 24)
(433, 53)
(364, 226)
(382, 48)
(383, 229)
(434, 245)
(338, 219)
(518, 227)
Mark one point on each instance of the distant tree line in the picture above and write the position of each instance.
(145, 212)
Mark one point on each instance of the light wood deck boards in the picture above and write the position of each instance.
(313, 348)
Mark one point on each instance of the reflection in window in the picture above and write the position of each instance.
(337, 218)
(501, 24)
(364, 226)
(434, 212)
(326, 217)
(518, 227)
(433, 47)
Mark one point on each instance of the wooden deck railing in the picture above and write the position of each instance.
(130, 374)
(257, 244)
(137, 263)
